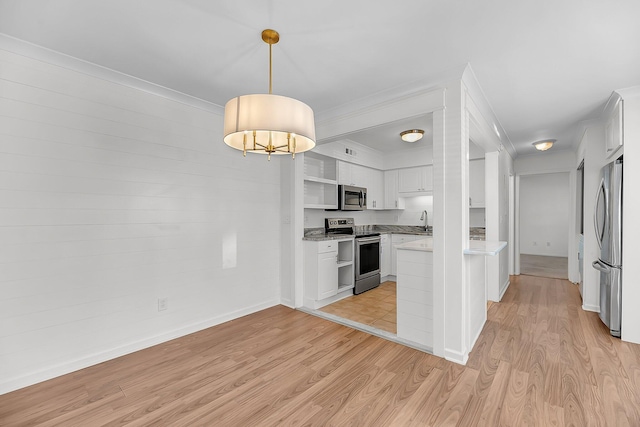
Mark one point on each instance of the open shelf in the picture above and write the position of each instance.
(320, 195)
(320, 182)
(317, 166)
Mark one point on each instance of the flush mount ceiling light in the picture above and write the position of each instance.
(544, 145)
(266, 123)
(412, 135)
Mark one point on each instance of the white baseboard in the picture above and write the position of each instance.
(503, 289)
(589, 307)
(287, 303)
(456, 356)
(47, 373)
(314, 305)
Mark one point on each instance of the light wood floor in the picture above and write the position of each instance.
(540, 360)
(376, 307)
(544, 266)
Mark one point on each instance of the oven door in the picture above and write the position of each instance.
(367, 257)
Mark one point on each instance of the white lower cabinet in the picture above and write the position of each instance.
(327, 275)
(328, 270)
(385, 255)
(397, 239)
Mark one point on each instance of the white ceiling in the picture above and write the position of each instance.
(543, 65)
(386, 138)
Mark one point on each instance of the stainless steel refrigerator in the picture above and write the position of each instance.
(608, 228)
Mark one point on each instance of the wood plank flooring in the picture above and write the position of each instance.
(540, 360)
(376, 307)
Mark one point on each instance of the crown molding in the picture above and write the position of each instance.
(43, 54)
(629, 92)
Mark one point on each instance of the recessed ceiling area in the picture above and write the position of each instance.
(386, 137)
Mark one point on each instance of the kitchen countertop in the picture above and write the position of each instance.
(422, 245)
(324, 236)
(476, 247)
(318, 234)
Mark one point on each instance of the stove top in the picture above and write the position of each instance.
(345, 226)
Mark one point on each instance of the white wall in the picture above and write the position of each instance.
(112, 197)
(544, 214)
(631, 211)
(499, 168)
(545, 162)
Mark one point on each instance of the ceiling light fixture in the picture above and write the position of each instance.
(412, 135)
(266, 123)
(544, 145)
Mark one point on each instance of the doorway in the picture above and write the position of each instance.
(544, 205)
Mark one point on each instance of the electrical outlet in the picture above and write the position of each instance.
(163, 304)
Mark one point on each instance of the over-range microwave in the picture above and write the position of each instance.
(352, 198)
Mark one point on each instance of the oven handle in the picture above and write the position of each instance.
(368, 239)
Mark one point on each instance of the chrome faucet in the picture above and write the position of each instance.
(425, 217)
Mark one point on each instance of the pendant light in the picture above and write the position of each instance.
(266, 123)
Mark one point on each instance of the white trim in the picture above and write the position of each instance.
(391, 95)
(39, 53)
(11, 384)
(287, 303)
(456, 357)
(628, 92)
(489, 116)
(588, 307)
(503, 289)
(516, 228)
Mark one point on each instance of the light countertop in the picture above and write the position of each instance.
(476, 247)
(480, 247)
(423, 245)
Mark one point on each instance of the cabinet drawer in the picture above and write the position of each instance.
(328, 246)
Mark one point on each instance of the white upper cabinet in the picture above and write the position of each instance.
(392, 199)
(375, 189)
(362, 176)
(417, 180)
(613, 128)
(352, 174)
(476, 183)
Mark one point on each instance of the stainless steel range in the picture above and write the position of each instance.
(367, 252)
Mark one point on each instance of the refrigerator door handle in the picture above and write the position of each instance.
(600, 266)
(600, 233)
